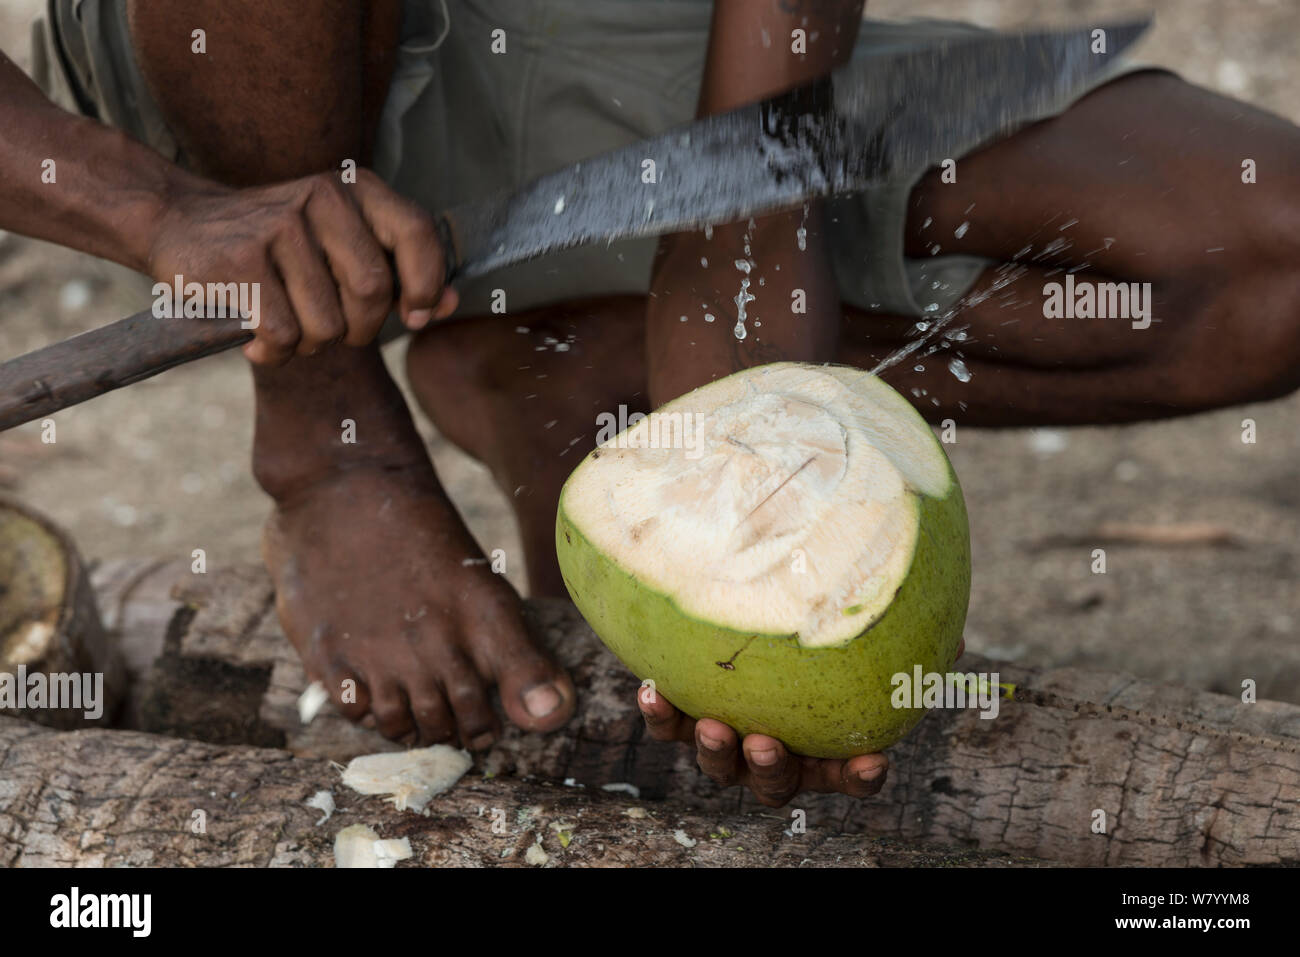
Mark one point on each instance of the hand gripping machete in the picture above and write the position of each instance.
(864, 124)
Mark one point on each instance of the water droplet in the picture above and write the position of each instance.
(559, 205)
(959, 370)
(918, 368)
(744, 265)
(683, 318)
(801, 237)
(708, 232)
(708, 317)
(740, 330)
(922, 326)
(704, 261)
(960, 231)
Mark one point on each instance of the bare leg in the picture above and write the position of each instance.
(1148, 168)
(366, 552)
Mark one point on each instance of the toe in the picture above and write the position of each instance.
(349, 693)
(392, 711)
(468, 697)
(537, 695)
(432, 716)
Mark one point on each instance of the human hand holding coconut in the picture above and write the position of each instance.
(769, 553)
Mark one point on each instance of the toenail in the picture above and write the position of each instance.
(713, 744)
(482, 742)
(763, 758)
(542, 700)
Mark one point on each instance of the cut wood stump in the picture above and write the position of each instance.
(1078, 767)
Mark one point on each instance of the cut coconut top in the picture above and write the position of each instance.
(780, 500)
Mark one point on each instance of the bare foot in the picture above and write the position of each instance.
(525, 404)
(379, 583)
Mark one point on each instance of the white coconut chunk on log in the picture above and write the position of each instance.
(322, 801)
(311, 701)
(536, 855)
(409, 778)
(359, 846)
(818, 473)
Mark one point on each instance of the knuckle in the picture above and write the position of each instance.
(324, 186)
(373, 286)
(278, 333)
(420, 226)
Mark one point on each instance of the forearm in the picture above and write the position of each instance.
(76, 182)
(795, 313)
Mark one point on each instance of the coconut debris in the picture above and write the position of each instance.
(622, 787)
(322, 801)
(536, 855)
(311, 701)
(359, 846)
(409, 778)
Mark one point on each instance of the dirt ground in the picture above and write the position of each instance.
(162, 468)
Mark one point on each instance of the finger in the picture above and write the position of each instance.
(869, 769)
(717, 749)
(411, 235)
(312, 292)
(663, 722)
(447, 304)
(858, 777)
(773, 775)
(355, 259)
(961, 648)
(275, 329)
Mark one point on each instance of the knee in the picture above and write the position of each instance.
(1244, 342)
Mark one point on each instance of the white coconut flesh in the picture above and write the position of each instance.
(782, 500)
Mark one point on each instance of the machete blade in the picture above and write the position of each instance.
(865, 124)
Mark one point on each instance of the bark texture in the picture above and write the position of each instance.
(1078, 767)
(124, 798)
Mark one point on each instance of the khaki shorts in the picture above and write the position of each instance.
(578, 77)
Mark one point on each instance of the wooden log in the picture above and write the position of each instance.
(123, 798)
(1173, 776)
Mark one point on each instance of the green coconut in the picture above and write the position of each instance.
(771, 550)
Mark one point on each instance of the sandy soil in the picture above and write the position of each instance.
(162, 467)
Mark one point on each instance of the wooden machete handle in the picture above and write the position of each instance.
(126, 351)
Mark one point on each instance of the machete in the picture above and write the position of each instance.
(867, 123)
